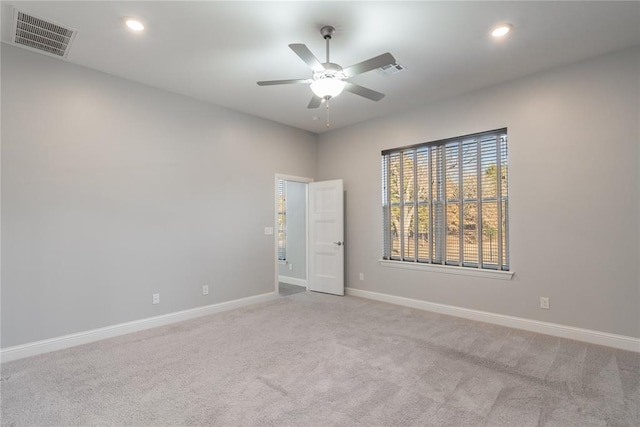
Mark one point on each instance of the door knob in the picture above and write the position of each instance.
(338, 243)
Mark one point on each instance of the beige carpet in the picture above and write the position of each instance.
(320, 360)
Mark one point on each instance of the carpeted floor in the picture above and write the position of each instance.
(320, 360)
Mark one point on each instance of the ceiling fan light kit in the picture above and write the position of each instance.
(327, 87)
(329, 79)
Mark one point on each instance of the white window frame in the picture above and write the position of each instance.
(434, 200)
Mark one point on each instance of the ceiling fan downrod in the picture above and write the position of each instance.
(327, 31)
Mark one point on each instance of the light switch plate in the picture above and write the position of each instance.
(268, 231)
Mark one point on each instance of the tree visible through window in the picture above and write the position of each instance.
(282, 220)
(446, 202)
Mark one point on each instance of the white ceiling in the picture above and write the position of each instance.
(216, 51)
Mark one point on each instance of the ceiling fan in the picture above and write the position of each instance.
(330, 79)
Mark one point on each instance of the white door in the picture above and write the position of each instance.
(326, 237)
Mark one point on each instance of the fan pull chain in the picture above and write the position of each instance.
(327, 113)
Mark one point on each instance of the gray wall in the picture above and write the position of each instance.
(113, 191)
(296, 231)
(574, 209)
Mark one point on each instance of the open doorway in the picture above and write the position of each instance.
(291, 230)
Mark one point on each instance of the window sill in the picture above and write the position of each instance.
(449, 269)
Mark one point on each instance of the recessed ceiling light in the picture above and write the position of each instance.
(134, 24)
(501, 30)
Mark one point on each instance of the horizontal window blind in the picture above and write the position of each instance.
(446, 202)
(282, 221)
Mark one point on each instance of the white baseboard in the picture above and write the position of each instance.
(554, 329)
(39, 347)
(292, 281)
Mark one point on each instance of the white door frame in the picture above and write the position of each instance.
(284, 177)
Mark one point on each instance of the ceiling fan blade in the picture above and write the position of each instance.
(282, 82)
(363, 91)
(370, 64)
(305, 54)
(315, 102)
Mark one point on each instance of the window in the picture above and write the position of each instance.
(282, 220)
(446, 202)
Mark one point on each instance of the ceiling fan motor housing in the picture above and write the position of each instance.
(331, 71)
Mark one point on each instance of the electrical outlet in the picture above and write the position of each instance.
(155, 299)
(544, 303)
(205, 290)
(290, 267)
(361, 276)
